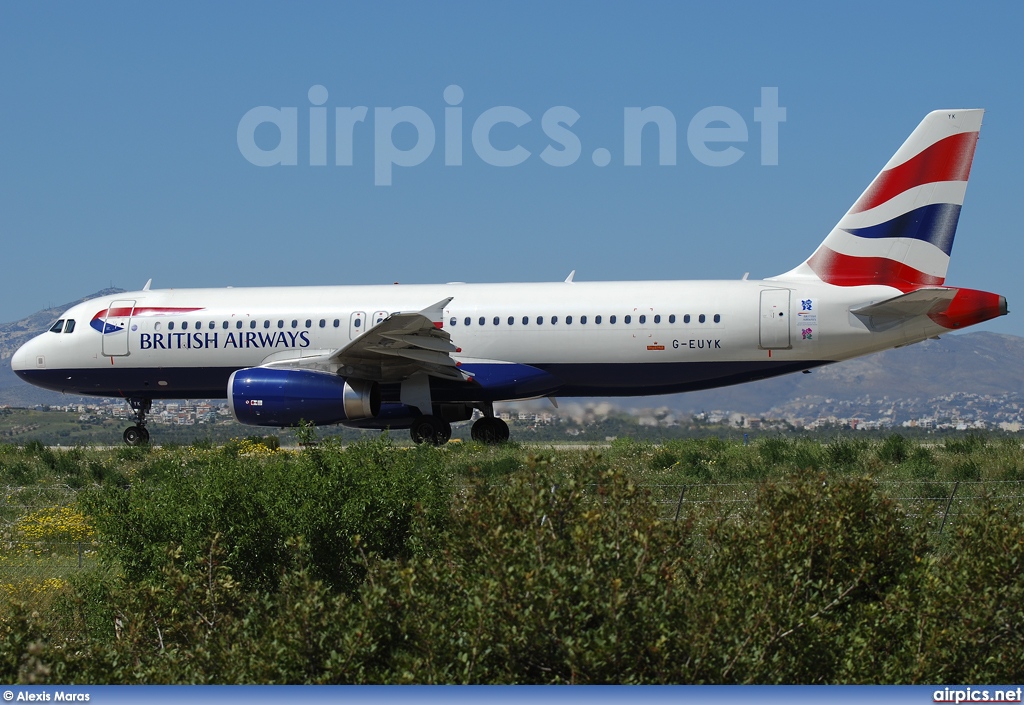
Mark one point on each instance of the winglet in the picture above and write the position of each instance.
(435, 313)
(148, 284)
(568, 279)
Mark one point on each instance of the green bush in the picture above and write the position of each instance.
(256, 503)
(369, 565)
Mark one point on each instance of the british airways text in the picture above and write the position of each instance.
(214, 341)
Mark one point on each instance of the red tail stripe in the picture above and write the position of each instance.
(948, 159)
(846, 270)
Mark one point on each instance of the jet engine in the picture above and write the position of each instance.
(270, 396)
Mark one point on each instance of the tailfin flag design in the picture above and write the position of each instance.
(900, 231)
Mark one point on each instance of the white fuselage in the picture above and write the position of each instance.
(597, 337)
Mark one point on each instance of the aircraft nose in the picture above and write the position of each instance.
(18, 359)
(23, 357)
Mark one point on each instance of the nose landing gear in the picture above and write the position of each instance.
(137, 435)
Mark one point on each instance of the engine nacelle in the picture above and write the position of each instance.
(271, 396)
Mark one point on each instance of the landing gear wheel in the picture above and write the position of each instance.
(490, 431)
(430, 429)
(136, 436)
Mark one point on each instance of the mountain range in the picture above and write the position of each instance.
(979, 363)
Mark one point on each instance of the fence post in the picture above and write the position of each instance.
(680, 504)
(946, 513)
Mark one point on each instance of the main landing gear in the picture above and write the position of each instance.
(490, 430)
(434, 430)
(137, 435)
(430, 429)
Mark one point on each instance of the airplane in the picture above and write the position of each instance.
(423, 357)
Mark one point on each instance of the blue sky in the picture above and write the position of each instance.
(120, 157)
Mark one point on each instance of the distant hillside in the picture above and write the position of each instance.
(981, 363)
(13, 391)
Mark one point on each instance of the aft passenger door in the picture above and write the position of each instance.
(774, 319)
(117, 322)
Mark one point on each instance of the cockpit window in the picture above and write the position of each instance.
(69, 327)
(57, 327)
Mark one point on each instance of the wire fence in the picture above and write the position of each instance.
(45, 538)
(940, 502)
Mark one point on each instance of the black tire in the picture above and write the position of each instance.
(490, 431)
(430, 429)
(136, 436)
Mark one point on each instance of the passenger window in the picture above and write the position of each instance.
(213, 325)
(643, 319)
(238, 325)
(184, 325)
(611, 320)
(357, 324)
(627, 319)
(597, 320)
(583, 320)
(337, 322)
(511, 320)
(170, 325)
(672, 318)
(57, 327)
(309, 323)
(702, 318)
(686, 318)
(453, 321)
(554, 320)
(526, 320)
(657, 318)
(540, 320)
(718, 318)
(252, 323)
(280, 323)
(295, 323)
(69, 327)
(482, 320)
(496, 320)
(156, 326)
(266, 323)
(468, 320)
(323, 323)
(568, 320)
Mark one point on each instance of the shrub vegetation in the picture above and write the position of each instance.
(377, 564)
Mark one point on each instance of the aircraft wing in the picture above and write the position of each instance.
(394, 349)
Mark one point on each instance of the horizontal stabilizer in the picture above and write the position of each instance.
(892, 312)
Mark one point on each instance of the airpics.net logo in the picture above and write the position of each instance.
(715, 136)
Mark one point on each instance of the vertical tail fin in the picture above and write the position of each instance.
(900, 231)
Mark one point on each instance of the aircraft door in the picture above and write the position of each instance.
(116, 324)
(775, 319)
(356, 324)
